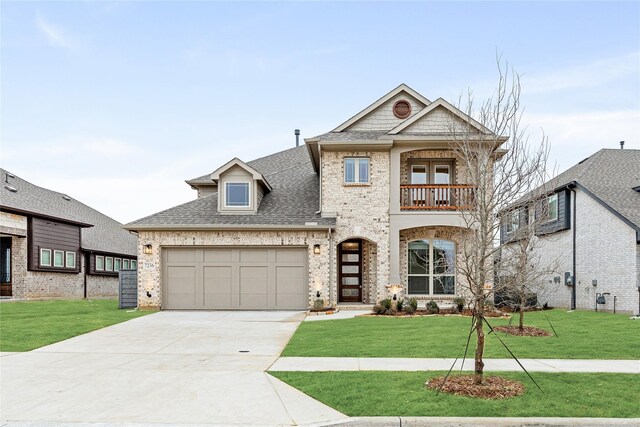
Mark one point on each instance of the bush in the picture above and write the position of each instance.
(318, 304)
(432, 307)
(488, 304)
(400, 304)
(386, 303)
(378, 309)
(459, 303)
(409, 309)
(413, 303)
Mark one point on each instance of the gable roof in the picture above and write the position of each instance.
(215, 175)
(440, 103)
(610, 176)
(401, 88)
(293, 201)
(102, 234)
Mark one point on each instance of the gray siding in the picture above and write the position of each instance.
(128, 290)
(564, 215)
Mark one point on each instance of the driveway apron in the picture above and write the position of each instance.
(170, 367)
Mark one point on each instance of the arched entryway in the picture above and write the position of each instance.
(357, 273)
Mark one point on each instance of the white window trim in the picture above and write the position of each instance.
(106, 259)
(50, 258)
(133, 261)
(115, 260)
(54, 259)
(102, 258)
(557, 212)
(248, 205)
(356, 175)
(66, 259)
(429, 274)
(125, 262)
(510, 223)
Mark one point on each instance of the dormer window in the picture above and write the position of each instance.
(237, 194)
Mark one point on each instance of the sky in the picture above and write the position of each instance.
(117, 103)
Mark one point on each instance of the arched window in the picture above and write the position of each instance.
(431, 267)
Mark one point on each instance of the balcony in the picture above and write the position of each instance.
(435, 197)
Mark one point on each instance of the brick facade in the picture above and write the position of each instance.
(606, 251)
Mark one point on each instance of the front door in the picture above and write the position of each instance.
(5, 267)
(350, 271)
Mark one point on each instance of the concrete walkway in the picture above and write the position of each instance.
(171, 368)
(310, 364)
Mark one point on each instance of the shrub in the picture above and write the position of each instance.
(459, 303)
(386, 303)
(378, 309)
(432, 307)
(318, 304)
(413, 303)
(488, 304)
(409, 309)
(400, 304)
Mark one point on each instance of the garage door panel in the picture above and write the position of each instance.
(217, 255)
(254, 256)
(181, 287)
(291, 256)
(254, 280)
(181, 256)
(289, 279)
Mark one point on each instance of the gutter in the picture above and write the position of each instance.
(225, 227)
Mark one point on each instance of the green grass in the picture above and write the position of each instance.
(369, 393)
(26, 325)
(581, 335)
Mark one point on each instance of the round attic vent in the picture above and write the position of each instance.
(402, 109)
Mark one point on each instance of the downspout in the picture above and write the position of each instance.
(86, 266)
(320, 178)
(573, 267)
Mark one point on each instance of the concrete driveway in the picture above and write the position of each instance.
(177, 368)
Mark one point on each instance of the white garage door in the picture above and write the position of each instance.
(235, 278)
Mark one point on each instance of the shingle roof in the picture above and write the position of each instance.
(294, 199)
(347, 136)
(611, 175)
(106, 235)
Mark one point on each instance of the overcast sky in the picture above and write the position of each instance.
(117, 104)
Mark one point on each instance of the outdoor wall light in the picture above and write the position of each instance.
(147, 249)
(316, 249)
(148, 294)
(318, 294)
(594, 282)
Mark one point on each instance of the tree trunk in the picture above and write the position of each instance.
(522, 303)
(479, 365)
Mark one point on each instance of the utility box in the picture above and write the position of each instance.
(128, 290)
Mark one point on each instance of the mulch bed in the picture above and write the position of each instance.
(526, 331)
(442, 312)
(492, 387)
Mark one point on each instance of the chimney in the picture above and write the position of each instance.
(621, 145)
(297, 133)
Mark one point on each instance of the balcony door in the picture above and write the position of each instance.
(431, 172)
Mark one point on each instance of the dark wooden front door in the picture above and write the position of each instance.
(5, 267)
(350, 271)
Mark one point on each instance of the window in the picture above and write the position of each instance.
(58, 258)
(356, 170)
(71, 259)
(117, 264)
(99, 263)
(431, 267)
(134, 264)
(513, 221)
(45, 257)
(552, 208)
(108, 263)
(125, 264)
(237, 194)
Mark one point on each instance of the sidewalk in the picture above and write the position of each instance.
(310, 364)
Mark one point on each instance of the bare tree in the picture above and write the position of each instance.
(520, 269)
(496, 158)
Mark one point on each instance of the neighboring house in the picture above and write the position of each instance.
(592, 232)
(55, 246)
(358, 214)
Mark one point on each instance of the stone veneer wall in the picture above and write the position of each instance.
(149, 266)
(454, 234)
(606, 250)
(362, 211)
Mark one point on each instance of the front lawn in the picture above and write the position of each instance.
(369, 393)
(25, 325)
(581, 335)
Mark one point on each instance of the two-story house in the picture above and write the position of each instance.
(590, 233)
(365, 211)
